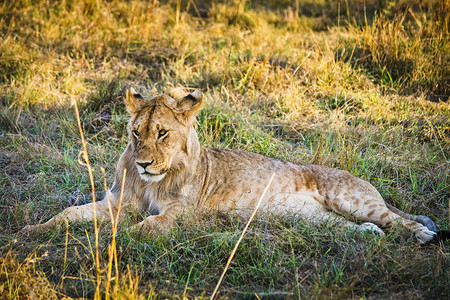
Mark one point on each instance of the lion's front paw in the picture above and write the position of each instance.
(154, 223)
(145, 226)
(137, 227)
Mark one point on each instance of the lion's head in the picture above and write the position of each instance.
(162, 132)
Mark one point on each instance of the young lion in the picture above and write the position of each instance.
(168, 171)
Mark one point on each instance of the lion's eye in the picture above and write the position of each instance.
(136, 133)
(162, 133)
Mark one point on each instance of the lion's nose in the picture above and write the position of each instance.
(145, 164)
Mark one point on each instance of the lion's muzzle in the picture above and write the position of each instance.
(145, 164)
(150, 172)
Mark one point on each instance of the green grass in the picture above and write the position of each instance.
(349, 88)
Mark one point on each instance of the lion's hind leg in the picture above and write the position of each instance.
(335, 219)
(372, 208)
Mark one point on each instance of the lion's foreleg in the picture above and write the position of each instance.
(88, 212)
(162, 222)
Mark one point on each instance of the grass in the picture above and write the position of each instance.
(354, 86)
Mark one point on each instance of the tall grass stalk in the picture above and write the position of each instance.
(91, 178)
(241, 237)
(112, 248)
(177, 16)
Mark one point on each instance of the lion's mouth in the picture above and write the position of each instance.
(152, 177)
(154, 174)
(149, 177)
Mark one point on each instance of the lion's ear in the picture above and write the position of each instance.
(133, 101)
(191, 104)
(188, 107)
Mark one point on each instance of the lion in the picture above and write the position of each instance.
(168, 172)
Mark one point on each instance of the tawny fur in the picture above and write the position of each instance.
(169, 172)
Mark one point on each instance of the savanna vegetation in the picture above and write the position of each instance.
(358, 85)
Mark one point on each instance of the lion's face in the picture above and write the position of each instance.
(159, 131)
